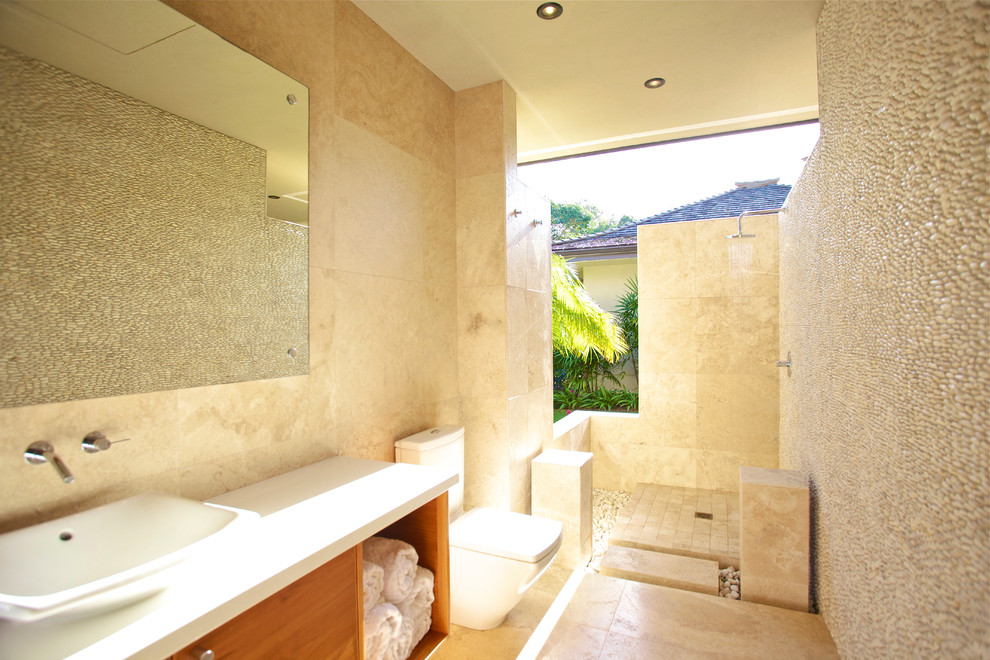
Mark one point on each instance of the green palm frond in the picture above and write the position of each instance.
(580, 326)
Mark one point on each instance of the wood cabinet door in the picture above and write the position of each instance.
(316, 617)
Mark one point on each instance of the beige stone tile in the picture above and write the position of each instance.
(480, 132)
(507, 640)
(658, 464)
(395, 339)
(517, 229)
(720, 469)
(230, 419)
(539, 343)
(738, 267)
(440, 214)
(774, 538)
(698, 622)
(517, 367)
(482, 341)
(776, 592)
(537, 208)
(737, 335)
(322, 188)
(623, 647)
(540, 416)
(33, 493)
(371, 71)
(573, 642)
(523, 448)
(593, 604)
(687, 573)
(379, 210)
(321, 324)
(737, 413)
(480, 211)
(562, 491)
(669, 409)
(486, 452)
(666, 262)
(668, 340)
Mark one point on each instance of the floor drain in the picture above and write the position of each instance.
(705, 516)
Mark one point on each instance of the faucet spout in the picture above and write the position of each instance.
(43, 452)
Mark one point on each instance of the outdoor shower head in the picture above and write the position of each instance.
(739, 233)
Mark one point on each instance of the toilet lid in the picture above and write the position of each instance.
(505, 534)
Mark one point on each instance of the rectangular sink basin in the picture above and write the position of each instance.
(105, 557)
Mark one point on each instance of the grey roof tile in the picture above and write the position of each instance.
(725, 205)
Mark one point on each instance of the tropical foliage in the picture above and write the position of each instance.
(575, 219)
(627, 309)
(580, 326)
(588, 342)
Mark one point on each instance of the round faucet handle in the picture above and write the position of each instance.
(97, 441)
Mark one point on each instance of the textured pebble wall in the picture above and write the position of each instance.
(137, 254)
(884, 304)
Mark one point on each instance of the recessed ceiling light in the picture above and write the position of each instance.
(654, 83)
(549, 10)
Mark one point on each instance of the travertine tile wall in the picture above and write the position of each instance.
(708, 348)
(382, 286)
(503, 304)
(884, 303)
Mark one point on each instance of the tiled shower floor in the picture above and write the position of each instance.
(662, 518)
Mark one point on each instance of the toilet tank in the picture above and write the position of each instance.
(442, 446)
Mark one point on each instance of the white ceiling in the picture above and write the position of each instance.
(729, 64)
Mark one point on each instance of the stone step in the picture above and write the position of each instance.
(676, 571)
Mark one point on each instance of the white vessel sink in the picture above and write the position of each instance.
(107, 556)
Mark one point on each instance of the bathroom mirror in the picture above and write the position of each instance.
(154, 197)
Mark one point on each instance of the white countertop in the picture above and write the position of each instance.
(309, 516)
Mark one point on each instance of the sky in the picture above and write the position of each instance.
(649, 180)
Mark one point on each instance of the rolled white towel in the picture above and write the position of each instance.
(374, 578)
(398, 559)
(417, 616)
(381, 624)
(422, 591)
(402, 642)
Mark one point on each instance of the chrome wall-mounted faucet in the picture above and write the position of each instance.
(43, 452)
(97, 441)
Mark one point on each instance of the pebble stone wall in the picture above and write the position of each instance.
(884, 305)
(136, 253)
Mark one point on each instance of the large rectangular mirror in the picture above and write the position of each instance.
(153, 205)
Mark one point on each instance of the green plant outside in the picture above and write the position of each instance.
(600, 398)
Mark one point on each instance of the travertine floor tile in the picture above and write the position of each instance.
(505, 641)
(662, 518)
(573, 642)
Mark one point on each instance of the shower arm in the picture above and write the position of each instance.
(739, 233)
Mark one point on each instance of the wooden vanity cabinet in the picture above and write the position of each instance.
(320, 617)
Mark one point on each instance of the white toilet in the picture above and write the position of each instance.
(495, 555)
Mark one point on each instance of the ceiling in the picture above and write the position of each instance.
(728, 64)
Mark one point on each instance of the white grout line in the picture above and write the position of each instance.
(542, 632)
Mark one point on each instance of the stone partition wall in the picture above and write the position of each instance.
(708, 348)
(503, 304)
(884, 304)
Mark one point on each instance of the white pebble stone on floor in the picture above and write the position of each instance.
(605, 508)
(729, 583)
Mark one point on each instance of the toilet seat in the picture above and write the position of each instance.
(506, 534)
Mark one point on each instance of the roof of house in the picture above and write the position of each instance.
(749, 196)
